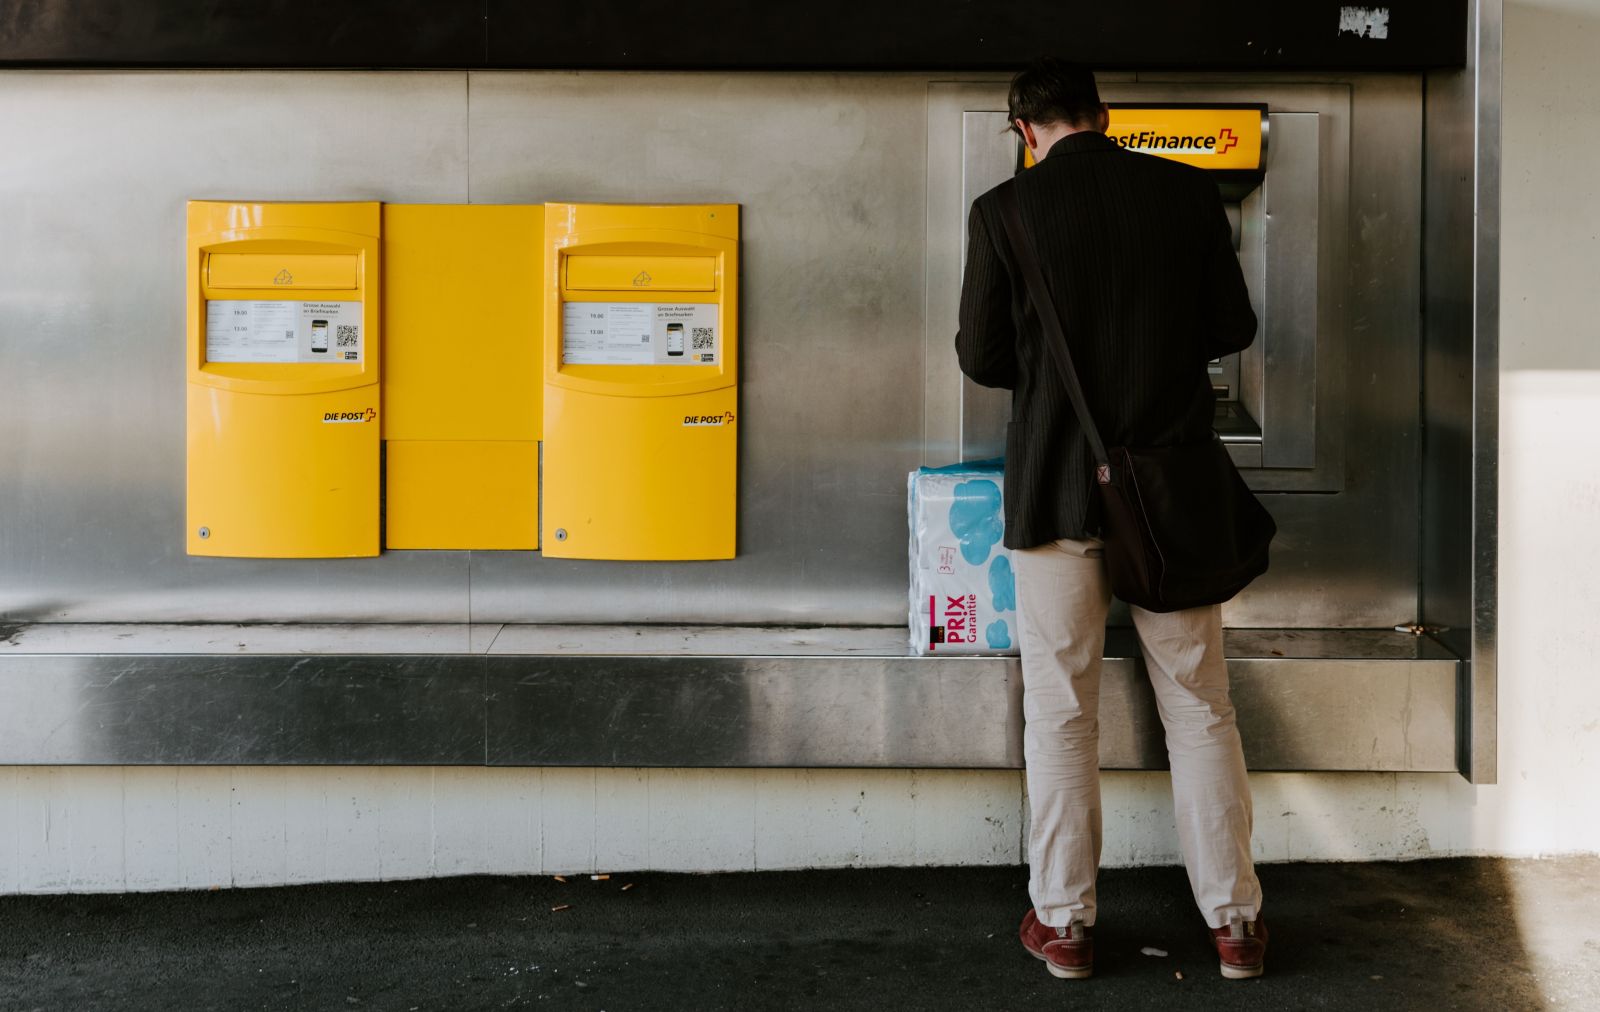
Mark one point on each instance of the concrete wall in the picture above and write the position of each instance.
(150, 828)
(87, 829)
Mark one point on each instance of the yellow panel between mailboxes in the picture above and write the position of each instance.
(463, 495)
(281, 270)
(463, 321)
(633, 273)
(462, 387)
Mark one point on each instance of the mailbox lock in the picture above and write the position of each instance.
(561, 534)
(204, 532)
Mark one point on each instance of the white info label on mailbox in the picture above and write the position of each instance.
(246, 330)
(640, 333)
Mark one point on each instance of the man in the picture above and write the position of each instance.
(1138, 255)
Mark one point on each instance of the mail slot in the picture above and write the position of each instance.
(275, 270)
(606, 274)
(461, 381)
(640, 382)
(283, 365)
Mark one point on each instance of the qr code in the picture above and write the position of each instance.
(345, 336)
(701, 339)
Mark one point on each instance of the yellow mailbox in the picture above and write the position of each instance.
(462, 318)
(640, 381)
(283, 379)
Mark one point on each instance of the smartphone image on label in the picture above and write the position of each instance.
(675, 339)
(319, 337)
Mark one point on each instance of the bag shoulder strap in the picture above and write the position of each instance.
(1055, 337)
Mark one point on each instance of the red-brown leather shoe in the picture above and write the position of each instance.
(1242, 945)
(1067, 952)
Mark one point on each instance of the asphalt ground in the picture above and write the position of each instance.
(1455, 934)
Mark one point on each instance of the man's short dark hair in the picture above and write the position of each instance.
(1049, 90)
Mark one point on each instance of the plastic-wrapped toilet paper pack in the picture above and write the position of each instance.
(963, 592)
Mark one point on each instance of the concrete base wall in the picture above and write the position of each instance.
(87, 829)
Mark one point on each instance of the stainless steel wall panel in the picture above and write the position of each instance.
(849, 373)
(988, 156)
(238, 639)
(1287, 374)
(1461, 370)
(1480, 755)
(1325, 700)
(947, 185)
(231, 710)
(700, 641)
(854, 216)
(829, 170)
(94, 172)
(1346, 715)
(829, 174)
(654, 711)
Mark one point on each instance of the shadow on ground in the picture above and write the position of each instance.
(1431, 934)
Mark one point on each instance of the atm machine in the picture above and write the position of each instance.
(1321, 413)
(1278, 400)
(1281, 407)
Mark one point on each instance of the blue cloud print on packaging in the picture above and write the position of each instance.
(1003, 584)
(998, 635)
(975, 519)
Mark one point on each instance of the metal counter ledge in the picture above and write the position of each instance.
(679, 696)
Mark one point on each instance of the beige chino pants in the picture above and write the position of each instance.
(1063, 596)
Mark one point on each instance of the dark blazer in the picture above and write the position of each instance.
(1139, 257)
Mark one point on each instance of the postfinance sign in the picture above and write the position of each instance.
(1220, 138)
